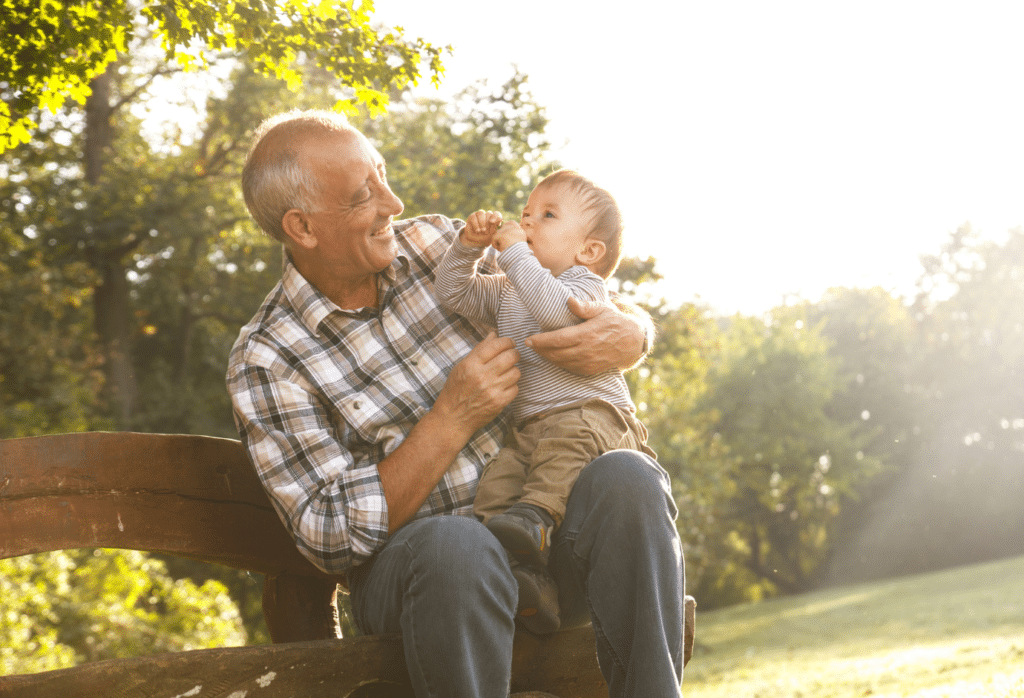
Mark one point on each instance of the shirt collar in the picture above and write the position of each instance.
(313, 307)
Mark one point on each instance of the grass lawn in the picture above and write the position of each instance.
(952, 634)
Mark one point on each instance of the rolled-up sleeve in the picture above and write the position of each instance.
(334, 508)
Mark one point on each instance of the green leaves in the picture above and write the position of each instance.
(795, 465)
(49, 51)
(485, 149)
(68, 607)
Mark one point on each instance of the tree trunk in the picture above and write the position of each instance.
(111, 294)
(99, 132)
(111, 312)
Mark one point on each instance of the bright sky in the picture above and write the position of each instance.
(759, 149)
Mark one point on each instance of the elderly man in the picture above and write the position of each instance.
(369, 413)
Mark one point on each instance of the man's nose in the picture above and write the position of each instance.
(391, 205)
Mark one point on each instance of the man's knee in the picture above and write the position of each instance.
(440, 572)
(628, 479)
(461, 552)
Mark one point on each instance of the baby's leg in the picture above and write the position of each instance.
(570, 440)
(501, 483)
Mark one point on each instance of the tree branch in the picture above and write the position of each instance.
(165, 70)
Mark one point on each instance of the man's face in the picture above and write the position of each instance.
(353, 223)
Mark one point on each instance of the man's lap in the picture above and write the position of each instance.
(439, 555)
(434, 557)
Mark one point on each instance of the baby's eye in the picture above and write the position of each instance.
(549, 214)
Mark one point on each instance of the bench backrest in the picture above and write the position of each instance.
(192, 496)
(198, 497)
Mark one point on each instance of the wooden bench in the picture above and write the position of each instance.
(198, 497)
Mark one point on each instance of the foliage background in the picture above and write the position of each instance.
(858, 436)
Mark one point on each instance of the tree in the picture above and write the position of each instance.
(122, 241)
(972, 314)
(48, 377)
(792, 465)
(668, 390)
(153, 199)
(485, 149)
(875, 338)
(958, 501)
(54, 50)
(197, 272)
(96, 53)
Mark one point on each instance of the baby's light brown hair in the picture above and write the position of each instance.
(605, 222)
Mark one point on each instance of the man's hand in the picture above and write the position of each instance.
(480, 228)
(477, 390)
(607, 339)
(481, 385)
(510, 233)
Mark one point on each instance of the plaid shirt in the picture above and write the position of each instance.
(322, 395)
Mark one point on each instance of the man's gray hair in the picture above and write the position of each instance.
(274, 179)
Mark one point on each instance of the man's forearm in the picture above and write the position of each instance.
(411, 472)
(475, 392)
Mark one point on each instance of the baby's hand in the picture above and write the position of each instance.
(480, 228)
(510, 234)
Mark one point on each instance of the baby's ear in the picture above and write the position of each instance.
(590, 252)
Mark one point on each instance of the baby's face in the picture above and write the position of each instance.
(555, 223)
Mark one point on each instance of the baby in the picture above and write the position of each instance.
(567, 244)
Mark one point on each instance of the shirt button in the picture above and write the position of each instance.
(357, 405)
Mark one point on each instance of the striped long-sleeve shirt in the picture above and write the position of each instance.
(321, 395)
(522, 301)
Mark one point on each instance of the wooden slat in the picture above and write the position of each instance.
(298, 608)
(689, 627)
(564, 664)
(318, 669)
(193, 496)
(321, 669)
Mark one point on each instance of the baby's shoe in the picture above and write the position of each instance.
(525, 531)
(538, 599)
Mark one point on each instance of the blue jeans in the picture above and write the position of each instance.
(445, 585)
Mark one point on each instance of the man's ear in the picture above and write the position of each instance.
(591, 252)
(296, 227)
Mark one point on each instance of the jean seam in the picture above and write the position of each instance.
(601, 636)
(580, 563)
(412, 619)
